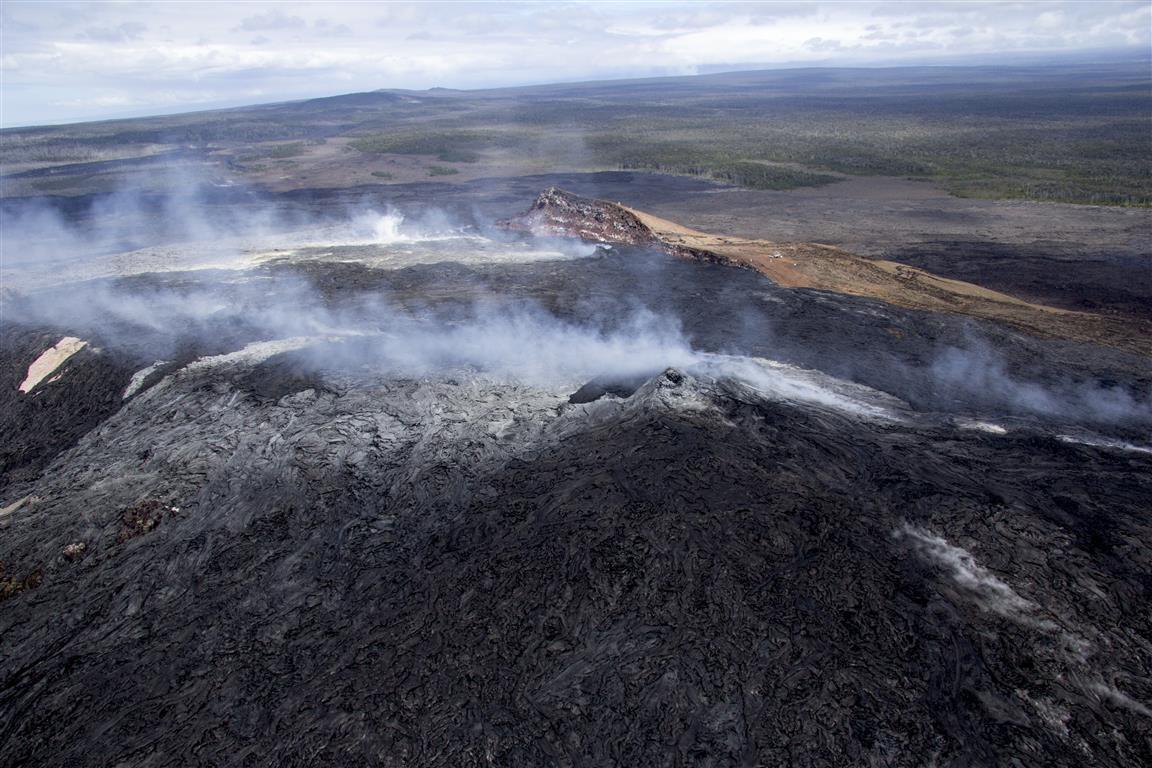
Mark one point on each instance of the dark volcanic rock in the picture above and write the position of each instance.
(557, 213)
(1057, 274)
(267, 563)
(279, 376)
(620, 386)
(452, 572)
(562, 214)
(36, 426)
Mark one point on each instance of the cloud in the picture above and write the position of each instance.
(325, 28)
(129, 30)
(270, 20)
(55, 54)
(821, 45)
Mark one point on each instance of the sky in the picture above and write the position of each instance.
(73, 61)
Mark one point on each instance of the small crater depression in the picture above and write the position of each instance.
(617, 385)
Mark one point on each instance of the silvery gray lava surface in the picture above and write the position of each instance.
(435, 497)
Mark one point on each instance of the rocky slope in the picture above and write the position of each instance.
(455, 570)
(556, 213)
(821, 267)
(266, 517)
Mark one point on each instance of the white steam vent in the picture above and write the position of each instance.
(387, 228)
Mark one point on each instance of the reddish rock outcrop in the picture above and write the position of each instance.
(557, 213)
(824, 268)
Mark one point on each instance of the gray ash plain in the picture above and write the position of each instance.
(327, 552)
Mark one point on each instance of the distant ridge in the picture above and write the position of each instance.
(823, 267)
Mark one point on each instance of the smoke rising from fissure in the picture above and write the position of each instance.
(511, 336)
(980, 369)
